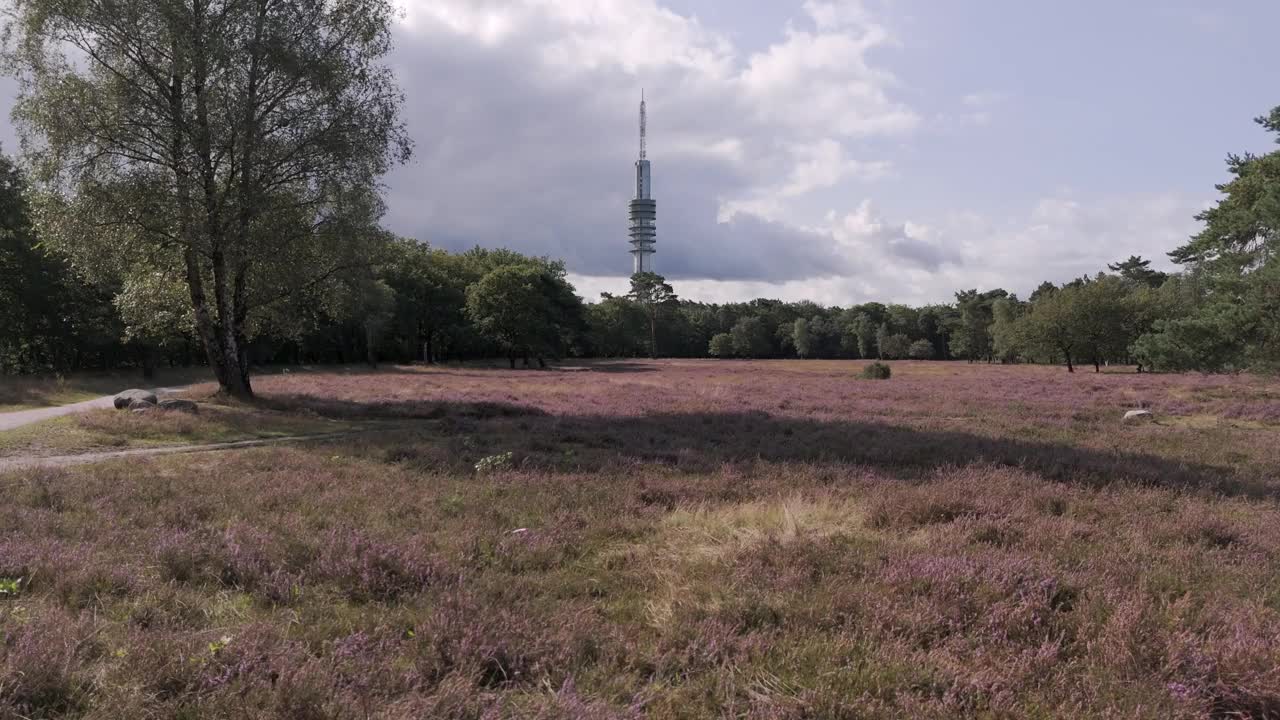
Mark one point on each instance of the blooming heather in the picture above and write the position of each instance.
(671, 540)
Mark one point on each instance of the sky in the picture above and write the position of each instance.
(834, 150)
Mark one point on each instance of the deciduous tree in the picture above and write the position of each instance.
(751, 338)
(236, 139)
(921, 350)
(800, 338)
(721, 345)
(652, 293)
(526, 310)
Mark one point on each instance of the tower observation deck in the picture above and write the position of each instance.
(643, 210)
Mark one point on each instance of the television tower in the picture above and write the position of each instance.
(643, 210)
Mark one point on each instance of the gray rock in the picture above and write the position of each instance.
(140, 405)
(1139, 416)
(122, 400)
(179, 405)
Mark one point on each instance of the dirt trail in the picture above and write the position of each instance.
(12, 420)
(18, 463)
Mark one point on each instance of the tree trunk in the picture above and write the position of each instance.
(653, 336)
(148, 364)
(512, 358)
(541, 363)
(370, 350)
(210, 335)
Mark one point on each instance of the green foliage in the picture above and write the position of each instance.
(721, 345)
(1200, 342)
(920, 350)
(1100, 313)
(652, 293)
(155, 308)
(1137, 271)
(801, 339)
(235, 148)
(971, 336)
(525, 309)
(864, 328)
(50, 317)
(1046, 330)
(430, 295)
(1236, 261)
(617, 327)
(751, 338)
(1091, 319)
(892, 346)
(1006, 340)
(876, 371)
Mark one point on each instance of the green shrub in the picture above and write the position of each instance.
(721, 345)
(875, 371)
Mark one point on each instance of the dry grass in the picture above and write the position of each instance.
(671, 540)
(98, 430)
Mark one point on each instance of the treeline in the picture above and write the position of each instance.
(1121, 316)
(410, 302)
(63, 307)
(1220, 313)
(402, 301)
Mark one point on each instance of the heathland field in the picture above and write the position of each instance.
(662, 539)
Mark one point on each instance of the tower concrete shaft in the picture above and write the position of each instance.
(643, 210)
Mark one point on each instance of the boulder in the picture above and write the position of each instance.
(179, 405)
(140, 405)
(122, 400)
(1139, 416)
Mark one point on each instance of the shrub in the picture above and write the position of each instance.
(721, 345)
(921, 350)
(875, 371)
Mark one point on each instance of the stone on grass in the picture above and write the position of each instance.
(140, 405)
(179, 405)
(122, 400)
(1139, 416)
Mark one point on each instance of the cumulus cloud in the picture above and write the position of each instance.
(766, 158)
(892, 245)
(524, 116)
(1057, 238)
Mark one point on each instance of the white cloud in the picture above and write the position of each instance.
(524, 115)
(822, 80)
(836, 14)
(524, 112)
(1058, 238)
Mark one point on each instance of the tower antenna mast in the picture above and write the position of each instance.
(642, 211)
(643, 122)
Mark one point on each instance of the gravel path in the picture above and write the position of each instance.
(11, 420)
(18, 463)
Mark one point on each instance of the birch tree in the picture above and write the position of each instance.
(238, 141)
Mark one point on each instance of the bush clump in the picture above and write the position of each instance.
(875, 371)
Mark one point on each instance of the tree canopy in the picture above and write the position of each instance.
(231, 145)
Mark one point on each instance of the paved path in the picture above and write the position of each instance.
(18, 463)
(11, 420)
